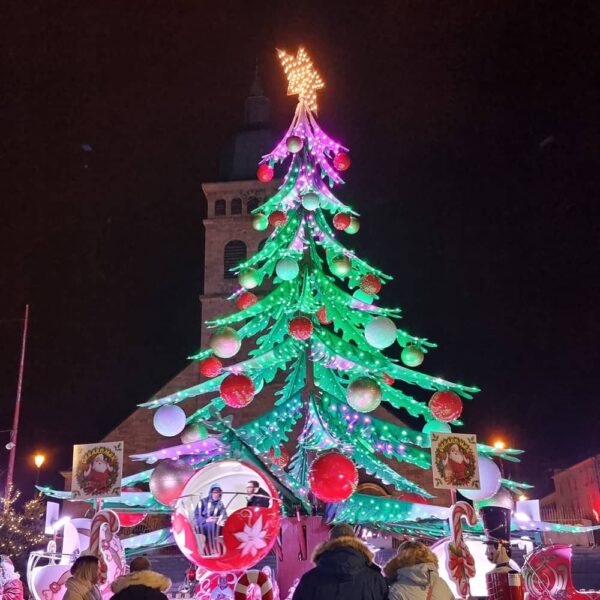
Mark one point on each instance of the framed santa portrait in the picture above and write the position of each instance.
(454, 461)
(97, 470)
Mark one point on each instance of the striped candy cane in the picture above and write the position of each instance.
(460, 562)
(259, 578)
(102, 518)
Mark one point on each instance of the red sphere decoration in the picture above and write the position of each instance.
(211, 367)
(446, 406)
(370, 284)
(237, 391)
(388, 380)
(130, 519)
(277, 218)
(411, 497)
(322, 316)
(342, 161)
(301, 328)
(265, 173)
(332, 477)
(246, 300)
(341, 221)
(282, 460)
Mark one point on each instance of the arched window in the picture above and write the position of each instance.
(236, 206)
(252, 204)
(261, 245)
(235, 253)
(220, 208)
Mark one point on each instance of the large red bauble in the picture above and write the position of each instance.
(342, 161)
(130, 519)
(282, 460)
(246, 300)
(277, 218)
(341, 221)
(445, 406)
(211, 367)
(370, 284)
(322, 316)
(332, 477)
(300, 328)
(237, 391)
(265, 173)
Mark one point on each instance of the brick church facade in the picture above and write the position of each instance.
(229, 238)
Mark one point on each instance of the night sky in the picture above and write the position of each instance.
(474, 129)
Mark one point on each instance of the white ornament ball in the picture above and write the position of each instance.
(225, 342)
(502, 498)
(434, 427)
(287, 269)
(169, 420)
(380, 332)
(490, 479)
(310, 201)
(364, 394)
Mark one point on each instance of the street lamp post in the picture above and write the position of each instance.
(39, 460)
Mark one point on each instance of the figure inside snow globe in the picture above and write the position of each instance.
(209, 516)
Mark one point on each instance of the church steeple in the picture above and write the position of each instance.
(257, 108)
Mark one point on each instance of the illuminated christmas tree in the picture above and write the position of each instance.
(20, 530)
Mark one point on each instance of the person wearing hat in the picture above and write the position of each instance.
(209, 516)
(11, 587)
(140, 583)
(344, 571)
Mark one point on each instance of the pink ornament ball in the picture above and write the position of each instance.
(225, 342)
(445, 406)
(237, 391)
(342, 161)
(265, 173)
(332, 477)
(168, 480)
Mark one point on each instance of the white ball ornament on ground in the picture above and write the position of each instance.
(310, 201)
(225, 342)
(380, 332)
(169, 420)
(287, 269)
(490, 479)
(364, 394)
(168, 480)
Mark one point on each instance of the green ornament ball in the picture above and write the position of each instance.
(287, 269)
(310, 201)
(249, 279)
(260, 222)
(412, 356)
(194, 432)
(364, 394)
(341, 266)
(353, 227)
(380, 332)
(434, 427)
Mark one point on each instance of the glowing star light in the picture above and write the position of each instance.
(303, 78)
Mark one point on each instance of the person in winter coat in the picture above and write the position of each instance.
(344, 571)
(413, 574)
(140, 583)
(85, 573)
(256, 495)
(11, 587)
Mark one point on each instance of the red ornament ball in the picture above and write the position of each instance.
(277, 218)
(341, 221)
(246, 300)
(388, 380)
(130, 519)
(211, 367)
(342, 161)
(282, 460)
(332, 477)
(300, 328)
(411, 497)
(322, 316)
(370, 284)
(445, 406)
(237, 391)
(265, 173)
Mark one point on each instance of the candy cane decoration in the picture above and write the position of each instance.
(102, 518)
(260, 579)
(460, 562)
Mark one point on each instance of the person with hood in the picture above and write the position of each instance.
(140, 583)
(209, 515)
(413, 574)
(344, 571)
(85, 573)
(11, 586)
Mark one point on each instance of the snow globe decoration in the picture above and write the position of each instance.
(228, 517)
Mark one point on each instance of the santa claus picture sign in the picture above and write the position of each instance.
(454, 461)
(97, 470)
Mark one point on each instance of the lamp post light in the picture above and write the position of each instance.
(499, 446)
(39, 460)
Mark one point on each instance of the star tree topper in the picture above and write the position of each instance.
(303, 78)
